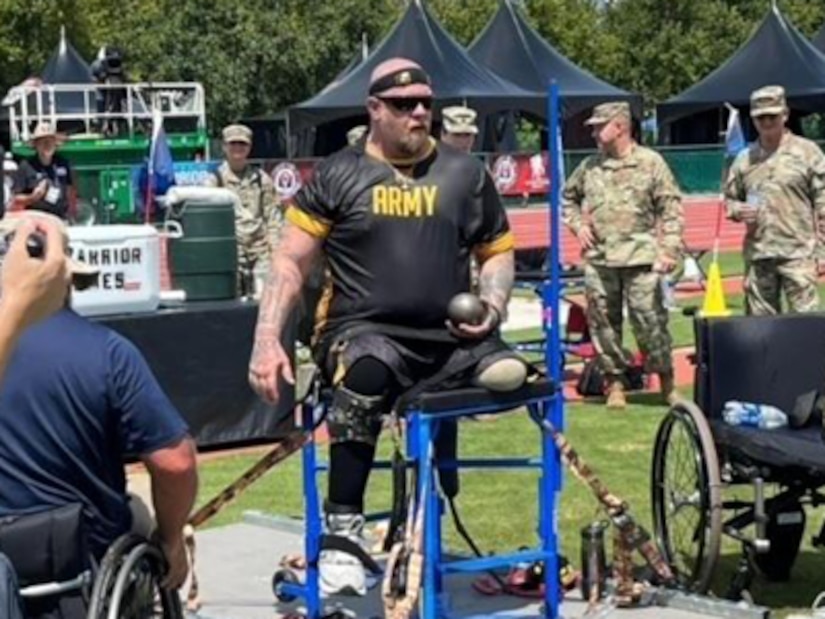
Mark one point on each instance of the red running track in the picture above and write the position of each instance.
(530, 228)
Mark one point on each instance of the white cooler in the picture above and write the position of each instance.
(129, 261)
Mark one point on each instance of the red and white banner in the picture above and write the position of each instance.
(515, 174)
(290, 176)
(520, 174)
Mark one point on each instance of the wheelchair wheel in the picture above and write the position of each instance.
(686, 495)
(127, 585)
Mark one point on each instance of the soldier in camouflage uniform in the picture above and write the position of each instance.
(777, 188)
(356, 134)
(624, 206)
(258, 216)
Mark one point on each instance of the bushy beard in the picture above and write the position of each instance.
(412, 143)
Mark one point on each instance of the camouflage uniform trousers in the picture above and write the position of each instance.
(253, 257)
(766, 280)
(607, 289)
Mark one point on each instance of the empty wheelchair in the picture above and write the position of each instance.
(702, 467)
(59, 577)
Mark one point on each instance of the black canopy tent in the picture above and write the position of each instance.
(360, 56)
(66, 66)
(776, 53)
(456, 79)
(818, 42)
(511, 48)
(818, 39)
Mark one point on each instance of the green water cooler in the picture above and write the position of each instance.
(204, 261)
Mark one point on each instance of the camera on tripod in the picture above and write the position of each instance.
(108, 68)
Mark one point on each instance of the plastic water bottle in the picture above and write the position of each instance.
(753, 415)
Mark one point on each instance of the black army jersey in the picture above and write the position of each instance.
(398, 247)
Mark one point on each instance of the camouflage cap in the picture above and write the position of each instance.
(356, 133)
(237, 133)
(606, 112)
(769, 100)
(459, 119)
(83, 275)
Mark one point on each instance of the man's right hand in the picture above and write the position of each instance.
(34, 288)
(178, 563)
(268, 364)
(586, 237)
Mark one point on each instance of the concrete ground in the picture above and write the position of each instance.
(235, 565)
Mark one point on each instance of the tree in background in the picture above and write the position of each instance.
(29, 33)
(258, 57)
(666, 47)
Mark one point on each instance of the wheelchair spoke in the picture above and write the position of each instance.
(128, 585)
(684, 500)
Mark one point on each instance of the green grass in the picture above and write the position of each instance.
(730, 263)
(681, 327)
(499, 508)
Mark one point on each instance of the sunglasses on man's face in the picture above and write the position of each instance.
(407, 104)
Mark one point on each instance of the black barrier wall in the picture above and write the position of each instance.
(200, 355)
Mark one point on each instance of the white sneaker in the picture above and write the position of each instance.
(341, 573)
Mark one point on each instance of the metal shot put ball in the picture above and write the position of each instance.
(466, 308)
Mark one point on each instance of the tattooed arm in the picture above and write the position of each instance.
(495, 285)
(290, 264)
(498, 273)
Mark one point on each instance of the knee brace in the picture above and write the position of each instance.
(355, 417)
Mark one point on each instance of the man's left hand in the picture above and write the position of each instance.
(178, 564)
(664, 264)
(467, 331)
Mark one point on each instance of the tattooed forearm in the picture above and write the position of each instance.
(290, 263)
(281, 293)
(496, 281)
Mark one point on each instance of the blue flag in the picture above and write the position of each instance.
(734, 137)
(162, 168)
(158, 174)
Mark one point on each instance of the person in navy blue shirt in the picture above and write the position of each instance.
(77, 398)
(45, 182)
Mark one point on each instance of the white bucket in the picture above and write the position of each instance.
(129, 261)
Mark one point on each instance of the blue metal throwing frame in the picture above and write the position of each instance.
(421, 431)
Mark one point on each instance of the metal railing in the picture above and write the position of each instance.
(95, 105)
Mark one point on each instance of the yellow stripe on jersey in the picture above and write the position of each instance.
(306, 222)
(504, 243)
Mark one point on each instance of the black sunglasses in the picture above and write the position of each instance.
(407, 104)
